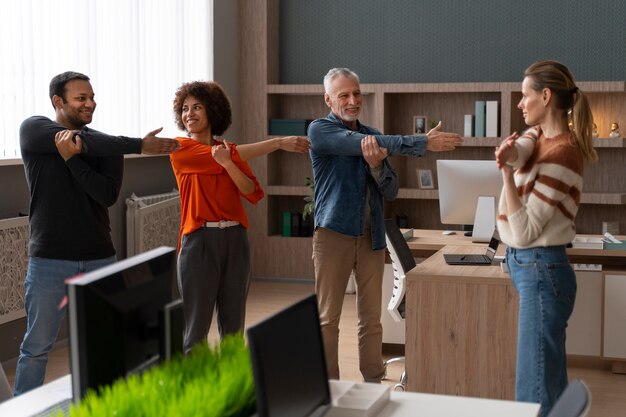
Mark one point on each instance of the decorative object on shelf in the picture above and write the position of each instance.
(611, 227)
(425, 178)
(419, 125)
(614, 131)
(594, 132)
(310, 199)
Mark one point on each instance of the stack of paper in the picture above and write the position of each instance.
(588, 242)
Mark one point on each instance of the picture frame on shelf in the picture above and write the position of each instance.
(425, 179)
(420, 124)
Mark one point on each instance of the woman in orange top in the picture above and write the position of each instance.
(213, 176)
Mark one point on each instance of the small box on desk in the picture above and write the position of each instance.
(615, 246)
(286, 127)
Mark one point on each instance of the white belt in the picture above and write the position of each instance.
(222, 224)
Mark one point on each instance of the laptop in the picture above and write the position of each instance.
(475, 259)
(288, 363)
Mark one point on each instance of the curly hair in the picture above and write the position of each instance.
(214, 99)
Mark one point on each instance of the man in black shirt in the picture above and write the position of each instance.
(74, 174)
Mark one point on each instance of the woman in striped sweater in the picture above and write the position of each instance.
(543, 177)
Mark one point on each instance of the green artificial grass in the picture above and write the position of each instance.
(208, 382)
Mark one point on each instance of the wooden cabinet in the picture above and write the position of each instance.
(390, 108)
(614, 340)
(584, 327)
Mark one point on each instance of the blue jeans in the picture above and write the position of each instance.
(546, 284)
(45, 289)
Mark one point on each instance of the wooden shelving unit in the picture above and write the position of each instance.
(391, 108)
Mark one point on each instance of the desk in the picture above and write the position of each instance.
(461, 328)
(410, 404)
(401, 404)
(425, 243)
(461, 321)
(39, 399)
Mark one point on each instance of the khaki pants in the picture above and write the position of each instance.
(335, 256)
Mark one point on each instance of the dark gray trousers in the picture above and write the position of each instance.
(213, 273)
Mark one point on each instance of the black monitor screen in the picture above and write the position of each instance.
(116, 318)
(288, 361)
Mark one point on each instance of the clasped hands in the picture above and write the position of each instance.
(221, 154)
(505, 153)
(69, 143)
(372, 152)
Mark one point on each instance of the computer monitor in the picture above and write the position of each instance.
(123, 319)
(288, 363)
(461, 184)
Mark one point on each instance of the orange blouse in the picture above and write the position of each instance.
(207, 193)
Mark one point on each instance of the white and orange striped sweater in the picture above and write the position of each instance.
(549, 180)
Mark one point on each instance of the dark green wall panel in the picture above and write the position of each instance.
(399, 41)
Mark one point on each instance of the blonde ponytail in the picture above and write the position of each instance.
(582, 120)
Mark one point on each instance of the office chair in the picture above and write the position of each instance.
(575, 401)
(5, 388)
(402, 261)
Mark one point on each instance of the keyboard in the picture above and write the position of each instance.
(54, 410)
(475, 258)
(470, 259)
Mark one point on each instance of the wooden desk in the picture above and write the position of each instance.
(425, 243)
(461, 321)
(461, 328)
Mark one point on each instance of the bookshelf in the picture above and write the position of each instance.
(391, 107)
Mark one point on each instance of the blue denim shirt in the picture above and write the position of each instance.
(342, 176)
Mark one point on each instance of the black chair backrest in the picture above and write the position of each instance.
(407, 262)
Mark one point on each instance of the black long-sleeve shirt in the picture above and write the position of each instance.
(69, 200)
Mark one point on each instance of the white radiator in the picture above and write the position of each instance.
(152, 221)
(13, 264)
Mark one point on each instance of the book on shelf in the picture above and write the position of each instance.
(468, 126)
(479, 119)
(286, 223)
(295, 223)
(581, 242)
(491, 119)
